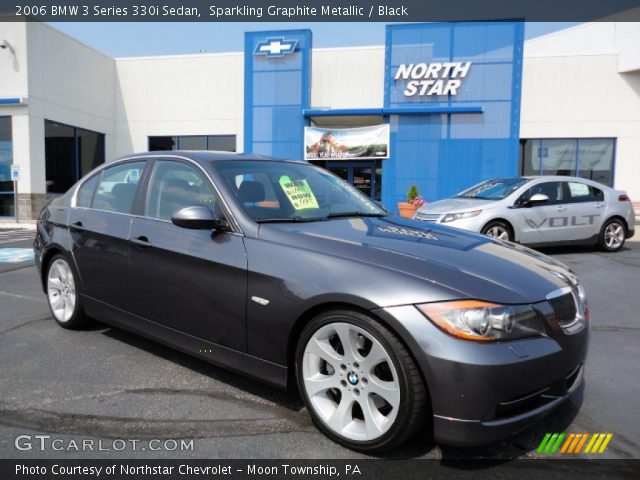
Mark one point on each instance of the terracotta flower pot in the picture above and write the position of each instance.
(407, 210)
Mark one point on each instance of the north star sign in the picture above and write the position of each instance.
(275, 47)
(426, 79)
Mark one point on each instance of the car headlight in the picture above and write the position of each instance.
(483, 321)
(450, 217)
(584, 304)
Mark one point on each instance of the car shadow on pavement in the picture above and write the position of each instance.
(288, 399)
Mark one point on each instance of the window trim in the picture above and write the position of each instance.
(589, 197)
(206, 141)
(147, 186)
(144, 181)
(576, 171)
(135, 195)
(565, 191)
(76, 144)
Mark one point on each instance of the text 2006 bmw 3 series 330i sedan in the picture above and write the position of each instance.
(281, 271)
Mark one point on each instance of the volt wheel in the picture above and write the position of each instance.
(359, 383)
(63, 295)
(499, 230)
(612, 235)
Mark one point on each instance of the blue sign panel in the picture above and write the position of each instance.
(276, 91)
(447, 66)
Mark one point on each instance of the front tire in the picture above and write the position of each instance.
(612, 235)
(498, 229)
(63, 295)
(360, 384)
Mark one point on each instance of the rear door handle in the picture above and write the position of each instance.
(599, 205)
(561, 208)
(77, 227)
(141, 241)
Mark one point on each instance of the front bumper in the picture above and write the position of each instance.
(483, 392)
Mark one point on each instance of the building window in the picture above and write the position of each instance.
(591, 158)
(6, 159)
(223, 143)
(70, 153)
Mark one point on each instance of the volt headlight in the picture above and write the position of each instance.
(483, 321)
(450, 217)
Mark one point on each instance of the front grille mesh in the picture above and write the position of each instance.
(565, 309)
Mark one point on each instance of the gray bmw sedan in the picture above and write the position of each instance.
(281, 271)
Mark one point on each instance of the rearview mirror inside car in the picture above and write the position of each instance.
(198, 217)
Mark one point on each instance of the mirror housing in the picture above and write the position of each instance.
(536, 199)
(198, 217)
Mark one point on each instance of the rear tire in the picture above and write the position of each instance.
(612, 235)
(498, 229)
(360, 384)
(63, 295)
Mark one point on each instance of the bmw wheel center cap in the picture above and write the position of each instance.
(353, 378)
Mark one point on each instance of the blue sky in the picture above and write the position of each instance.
(141, 39)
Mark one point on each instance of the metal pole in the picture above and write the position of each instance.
(15, 200)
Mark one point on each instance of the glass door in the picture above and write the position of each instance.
(7, 207)
(365, 176)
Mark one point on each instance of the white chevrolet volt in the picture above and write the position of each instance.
(539, 211)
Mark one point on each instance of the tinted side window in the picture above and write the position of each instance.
(85, 194)
(581, 192)
(175, 185)
(553, 190)
(117, 187)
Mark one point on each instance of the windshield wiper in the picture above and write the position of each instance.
(295, 219)
(356, 214)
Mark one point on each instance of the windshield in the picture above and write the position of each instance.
(493, 189)
(292, 192)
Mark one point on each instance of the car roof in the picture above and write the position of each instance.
(200, 155)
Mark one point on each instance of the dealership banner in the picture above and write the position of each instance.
(346, 143)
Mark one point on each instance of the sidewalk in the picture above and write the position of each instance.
(23, 225)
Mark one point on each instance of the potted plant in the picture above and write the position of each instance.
(414, 202)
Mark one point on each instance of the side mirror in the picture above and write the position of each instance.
(536, 199)
(198, 217)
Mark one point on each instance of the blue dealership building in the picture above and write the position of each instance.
(441, 143)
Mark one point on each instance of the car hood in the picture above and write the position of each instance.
(454, 205)
(473, 265)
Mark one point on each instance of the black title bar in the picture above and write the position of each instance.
(316, 10)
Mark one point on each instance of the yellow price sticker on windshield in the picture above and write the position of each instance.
(299, 193)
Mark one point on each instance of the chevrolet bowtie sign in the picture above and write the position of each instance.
(275, 47)
(430, 79)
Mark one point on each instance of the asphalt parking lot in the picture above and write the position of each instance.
(104, 383)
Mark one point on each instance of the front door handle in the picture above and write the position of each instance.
(561, 208)
(141, 241)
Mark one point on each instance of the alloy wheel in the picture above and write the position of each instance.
(351, 381)
(61, 290)
(498, 232)
(614, 235)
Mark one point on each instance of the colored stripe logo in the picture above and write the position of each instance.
(574, 443)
